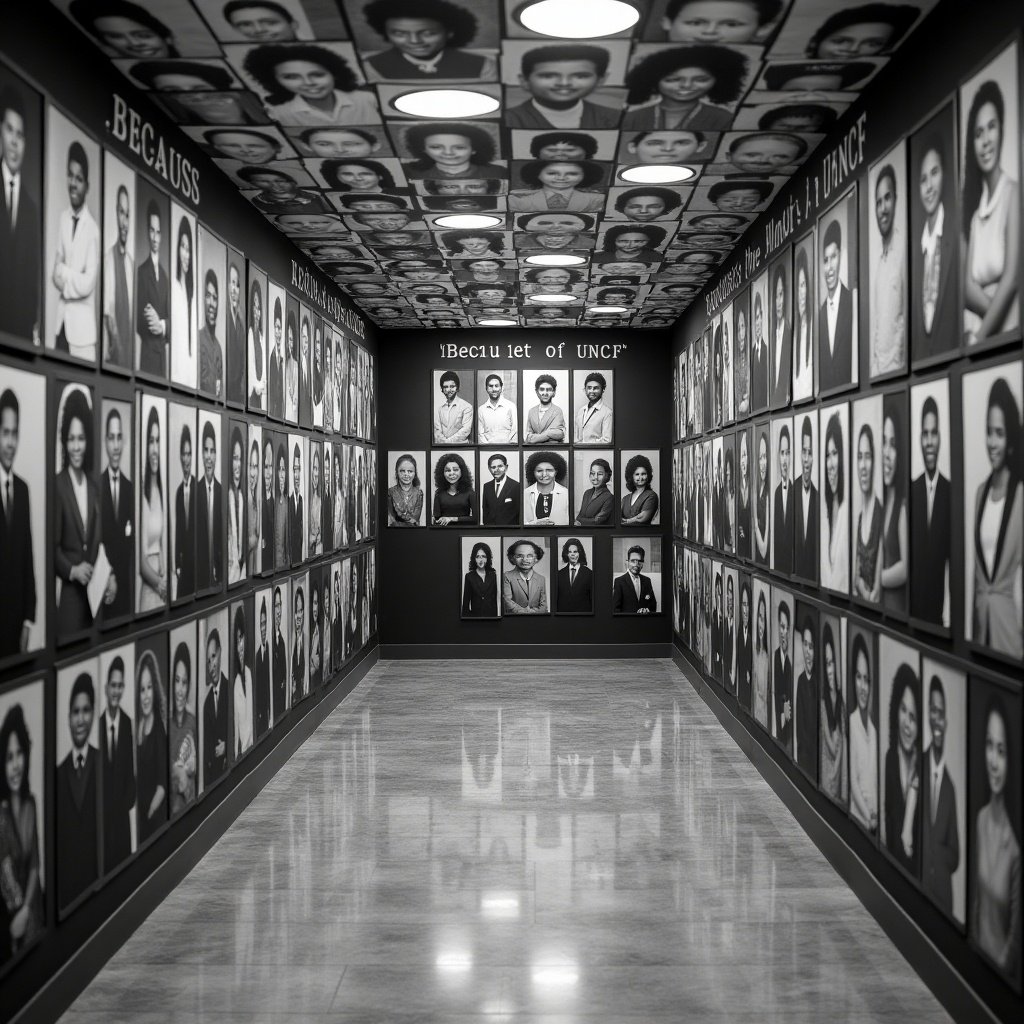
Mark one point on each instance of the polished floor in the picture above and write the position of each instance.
(528, 841)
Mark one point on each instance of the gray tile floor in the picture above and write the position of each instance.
(550, 841)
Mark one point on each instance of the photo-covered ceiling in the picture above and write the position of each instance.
(297, 101)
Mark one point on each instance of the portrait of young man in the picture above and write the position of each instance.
(805, 505)
(760, 360)
(117, 756)
(261, 706)
(453, 415)
(209, 509)
(235, 363)
(545, 421)
(216, 728)
(805, 734)
(183, 448)
(501, 495)
(782, 671)
(837, 289)
(592, 399)
(498, 414)
(783, 501)
(280, 689)
(117, 507)
(633, 592)
(152, 281)
(212, 262)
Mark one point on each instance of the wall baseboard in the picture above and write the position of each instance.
(400, 652)
(950, 987)
(61, 990)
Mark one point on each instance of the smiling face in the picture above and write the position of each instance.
(664, 147)
(995, 438)
(78, 184)
(76, 444)
(556, 224)
(762, 459)
(80, 720)
(987, 138)
(525, 557)
(263, 24)
(421, 38)
(930, 182)
(885, 204)
(862, 681)
(996, 753)
(544, 474)
(448, 150)
(907, 720)
(890, 459)
(742, 200)
(686, 85)
(357, 177)
(644, 208)
(561, 82)
(830, 260)
(713, 21)
(764, 154)
(114, 691)
(313, 82)
(640, 477)
(562, 175)
(865, 464)
(452, 473)
(129, 38)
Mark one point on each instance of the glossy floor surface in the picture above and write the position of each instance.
(559, 842)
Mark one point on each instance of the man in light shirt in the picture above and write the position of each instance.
(545, 422)
(594, 420)
(497, 417)
(118, 271)
(888, 282)
(453, 418)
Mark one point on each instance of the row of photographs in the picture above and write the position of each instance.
(848, 703)
(116, 273)
(134, 502)
(939, 274)
(547, 498)
(633, 576)
(148, 727)
(909, 500)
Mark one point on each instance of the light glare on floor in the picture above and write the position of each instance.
(578, 19)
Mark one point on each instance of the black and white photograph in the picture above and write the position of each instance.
(763, 651)
(731, 626)
(280, 649)
(118, 331)
(526, 575)
(783, 512)
(895, 572)
(636, 575)
(406, 501)
(833, 719)
(593, 407)
(154, 242)
(705, 596)
(717, 620)
(305, 359)
(815, 30)
(499, 473)
(455, 497)
(545, 488)
(276, 360)
(497, 407)
(594, 488)
(151, 737)
(741, 335)
(298, 532)
(835, 481)
(781, 706)
(806, 496)
(71, 256)
(242, 686)
(807, 676)
(804, 319)
(117, 507)
(353, 617)
(760, 360)
(285, 21)
(545, 408)
(258, 499)
(745, 501)
(888, 286)
(993, 508)
(763, 497)
(863, 710)
(183, 448)
(780, 329)
(215, 734)
(315, 624)
(641, 482)
(258, 339)
(727, 493)
(263, 639)
(235, 345)
(717, 494)
(454, 417)
(837, 295)
(315, 502)
(745, 631)
(340, 510)
(574, 581)
(210, 550)
(480, 583)
(867, 515)
(151, 586)
(145, 32)
(236, 461)
(188, 667)
(211, 286)
(188, 298)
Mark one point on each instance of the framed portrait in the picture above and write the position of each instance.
(340, 391)
(182, 495)
(74, 192)
(678, 620)
(188, 299)
(210, 510)
(760, 365)
(780, 329)
(744, 503)
(291, 360)
(862, 705)
(834, 483)
(783, 513)
(805, 496)
(833, 709)
(525, 581)
(574, 581)
(455, 499)
(706, 654)
(281, 650)
(741, 352)
(300, 655)
(353, 606)
(151, 736)
(263, 638)
(636, 575)
(895, 456)
(215, 733)
(480, 584)
(259, 500)
(545, 411)
(743, 658)
(235, 345)
(717, 621)
(298, 536)
(212, 287)
(837, 331)
(243, 692)
(276, 360)
(340, 507)
(288, 21)
(153, 241)
(641, 477)
(593, 407)
(236, 460)
(763, 651)
(314, 625)
(315, 505)
(317, 372)
(867, 510)
(594, 487)
(305, 369)
(117, 502)
(730, 625)
(782, 706)
(151, 585)
(805, 698)
(803, 318)
(728, 378)
(763, 497)
(501, 493)
(183, 732)
(718, 493)
(117, 323)
(454, 419)
(497, 413)
(707, 493)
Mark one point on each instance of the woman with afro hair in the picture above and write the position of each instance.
(455, 501)
(448, 149)
(640, 506)
(546, 500)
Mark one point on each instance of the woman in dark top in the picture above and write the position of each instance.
(640, 506)
(761, 524)
(480, 590)
(743, 505)
(902, 771)
(867, 575)
(152, 748)
(895, 538)
(454, 497)
(597, 502)
(744, 651)
(729, 503)
(717, 632)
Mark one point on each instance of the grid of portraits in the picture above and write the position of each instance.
(848, 497)
(300, 104)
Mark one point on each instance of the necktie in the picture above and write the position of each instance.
(10, 207)
(113, 741)
(117, 480)
(636, 586)
(209, 532)
(556, 201)
(80, 763)
(7, 507)
(935, 792)
(572, 575)
(122, 316)
(186, 504)
(74, 224)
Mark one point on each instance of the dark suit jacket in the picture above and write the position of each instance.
(480, 596)
(275, 388)
(782, 690)
(267, 536)
(157, 293)
(280, 669)
(118, 788)
(118, 541)
(580, 596)
(728, 639)
(235, 371)
(77, 828)
(295, 525)
(744, 669)
(185, 540)
(805, 535)
(782, 532)
(74, 542)
(624, 596)
(759, 378)
(305, 394)
(20, 264)
(506, 511)
(209, 573)
(782, 374)
(216, 727)
(18, 593)
(894, 810)
(261, 691)
(946, 323)
(806, 714)
(940, 847)
(835, 367)
(929, 548)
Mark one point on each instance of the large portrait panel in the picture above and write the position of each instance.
(151, 591)
(117, 502)
(636, 575)
(480, 563)
(838, 302)
(187, 669)
(119, 214)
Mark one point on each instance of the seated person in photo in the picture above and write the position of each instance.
(633, 592)
(524, 591)
(559, 185)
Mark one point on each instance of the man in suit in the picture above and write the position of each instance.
(782, 682)
(211, 362)
(327, 505)
(275, 371)
(807, 703)
(295, 514)
(305, 380)
(594, 420)
(153, 301)
(835, 318)
(267, 502)
(930, 527)
(77, 826)
(758, 360)
(729, 637)
(935, 261)
(501, 495)
(209, 518)
(353, 621)
(118, 273)
(117, 771)
(783, 344)
(235, 336)
(20, 227)
(940, 853)
(524, 591)
(805, 510)
(782, 517)
(185, 521)
(216, 716)
(76, 264)
(337, 626)
(280, 660)
(261, 677)
(117, 502)
(17, 570)
(545, 422)
(575, 591)
(632, 592)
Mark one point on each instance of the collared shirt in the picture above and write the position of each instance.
(348, 108)
(930, 483)
(805, 499)
(931, 240)
(780, 334)
(209, 506)
(936, 767)
(889, 305)
(13, 203)
(571, 118)
(497, 422)
(113, 723)
(498, 485)
(832, 312)
(79, 755)
(635, 580)
(81, 492)
(453, 421)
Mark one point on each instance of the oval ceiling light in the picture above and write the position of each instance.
(607, 309)
(578, 19)
(468, 220)
(497, 322)
(657, 174)
(446, 103)
(554, 260)
(554, 298)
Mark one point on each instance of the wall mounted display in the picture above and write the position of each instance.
(641, 475)
(455, 501)
(545, 494)
(866, 542)
(236, 460)
(119, 726)
(574, 581)
(782, 509)
(781, 706)
(183, 732)
(406, 505)
(760, 372)
(501, 491)
(215, 733)
(805, 496)
(525, 585)
(593, 404)
(838, 296)
(745, 507)
(863, 708)
(805, 697)
(188, 299)
(118, 264)
(635, 591)
(895, 554)
(480, 584)
(497, 413)
(760, 697)
(741, 354)
(593, 487)
(804, 319)
(152, 584)
(151, 742)
(300, 655)
(834, 720)
(546, 422)
(454, 417)
(117, 506)
(835, 482)
(153, 320)
(210, 507)
(280, 665)
(298, 537)
(763, 497)
(780, 329)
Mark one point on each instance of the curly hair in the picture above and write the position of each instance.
(668, 196)
(597, 55)
(607, 295)
(556, 460)
(465, 481)
(416, 136)
(531, 275)
(510, 551)
(529, 173)
(905, 679)
(598, 378)
(638, 462)
(77, 406)
(899, 18)
(727, 67)
(586, 142)
(451, 239)
(988, 93)
(14, 725)
(262, 63)
(545, 378)
(459, 23)
(486, 549)
(579, 547)
(655, 235)
(159, 701)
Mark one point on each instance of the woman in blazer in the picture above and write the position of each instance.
(546, 500)
(903, 771)
(640, 506)
(480, 588)
(597, 503)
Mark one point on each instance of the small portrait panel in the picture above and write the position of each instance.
(803, 318)
(760, 362)
(283, 21)
(184, 450)
(935, 332)
(729, 195)
(593, 404)
(263, 639)
(21, 226)
(212, 287)
(743, 657)
(257, 339)
(501, 487)
(764, 626)
(160, 29)
(454, 418)
(151, 585)
(717, 494)
(704, 614)
(697, 21)
(660, 146)
(708, 493)
(806, 676)
(993, 508)
(726, 386)
(728, 493)
(296, 460)
(242, 688)
(895, 457)
(455, 495)
(741, 358)
(545, 406)
(315, 504)
(990, 207)
(406, 500)
(781, 706)
(813, 30)
(545, 488)
(234, 302)
(867, 512)
(305, 366)
(117, 506)
(187, 669)
(76, 755)
(763, 497)
(526, 576)
(151, 737)
(636, 575)
(681, 628)
(594, 488)
(564, 144)
(24, 532)
(236, 469)
(835, 481)
(641, 478)
(351, 581)
(215, 733)
(25, 747)
(154, 239)
(280, 649)
(179, 77)
(838, 81)
(862, 707)
(291, 360)
(188, 310)
(277, 303)
(838, 348)
(119, 214)
(780, 329)
(930, 516)
(790, 114)
(730, 625)
(832, 713)
(480, 580)
(783, 513)
(71, 262)
(717, 621)
(315, 623)
(806, 496)
(319, 393)
(497, 414)
(212, 107)
(757, 153)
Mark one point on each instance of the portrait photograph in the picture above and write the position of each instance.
(868, 525)
(680, 628)
(215, 733)
(863, 710)
(594, 488)
(780, 329)
(781, 706)
(210, 506)
(281, 649)
(730, 625)
(117, 505)
(745, 506)
(211, 283)
(943, 790)
(480, 583)
(994, 821)
(183, 449)
(895, 573)
(454, 418)
(743, 658)
(764, 495)
(497, 409)
(151, 736)
(728, 381)
(286, 21)
(243, 697)
(641, 482)
(406, 504)
(24, 531)
(707, 495)
(783, 513)
(71, 259)
(806, 676)
(636, 575)
(803, 318)
(21, 225)
(291, 361)
(760, 358)
(837, 297)
(315, 502)
(526, 575)
(836, 81)
(259, 499)
(545, 408)
(187, 668)
(935, 332)
(24, 812)
(727, 194)
(236, 462)
(704, 614)
(833, 720)
(501, 490)
(154, 240)
(805, 499)
(834, 484)
(277, 357)
(930, 515)
(187, 299)
(305, 367)
(315, 623)
(351, 584)
(298, 534)
(455, 497)
(546, 488)
(117, 326)
(764, 626)
(235, 346)
(717, 620)
(993, 508)
(718, 494)
(990, 207)
(574, 581)
(151, 587)
(593, 407)
(263, 638)
(316, 362)
(340, 509)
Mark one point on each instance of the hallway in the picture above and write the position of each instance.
(561, 842)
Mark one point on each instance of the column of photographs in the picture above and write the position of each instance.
(124, 493)
(544, 442)
(881, 534)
